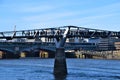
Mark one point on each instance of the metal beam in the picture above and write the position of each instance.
(59, 32)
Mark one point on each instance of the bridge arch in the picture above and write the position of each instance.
(49, 53)
(37, 52)
(6, 54)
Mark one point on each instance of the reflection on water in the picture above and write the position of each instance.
(42, 69)
(60, 77)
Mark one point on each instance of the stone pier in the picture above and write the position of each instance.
(60, 67)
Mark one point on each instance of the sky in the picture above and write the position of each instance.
(36, 14)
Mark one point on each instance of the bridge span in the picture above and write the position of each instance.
(50, 38)
(58, 32)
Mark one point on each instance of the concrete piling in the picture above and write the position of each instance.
(60, 67)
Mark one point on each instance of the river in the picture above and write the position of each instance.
(42, 69)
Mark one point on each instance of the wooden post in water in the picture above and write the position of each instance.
(60, 67)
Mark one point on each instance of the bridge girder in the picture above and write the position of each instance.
(6, 50)
(58, 32)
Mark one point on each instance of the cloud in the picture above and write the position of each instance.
(56, 14)
(95, 21)
(35, 9)
(48, 16)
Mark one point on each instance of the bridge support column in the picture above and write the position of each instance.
(60, 67)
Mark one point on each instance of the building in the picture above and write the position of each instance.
(105, 43)
(117, 45)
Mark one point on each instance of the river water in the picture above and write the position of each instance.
(42, 69)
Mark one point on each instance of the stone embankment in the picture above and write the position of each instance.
(98, 54)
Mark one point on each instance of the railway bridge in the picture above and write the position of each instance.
(51, 38)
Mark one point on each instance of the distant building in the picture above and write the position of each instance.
(105, 43)
(77, 40)
(117, 45)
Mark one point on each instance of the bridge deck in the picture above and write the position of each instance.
(58, 32)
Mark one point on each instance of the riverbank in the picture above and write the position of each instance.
(76, 54)
(98, 54)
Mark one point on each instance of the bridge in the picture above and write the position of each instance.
(34, 48)
(52, 39)
(58, 33)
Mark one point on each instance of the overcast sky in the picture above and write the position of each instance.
(35, 14)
